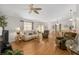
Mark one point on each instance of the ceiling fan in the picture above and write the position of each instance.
(34, 9)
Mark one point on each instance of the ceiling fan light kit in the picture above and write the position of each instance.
(34, 9)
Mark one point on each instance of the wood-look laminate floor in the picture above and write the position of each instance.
(37, 47)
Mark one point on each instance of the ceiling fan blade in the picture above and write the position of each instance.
(34, 9)
(38, 8)
(36, 12)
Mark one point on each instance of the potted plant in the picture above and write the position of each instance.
(3, 22)
(11, 52)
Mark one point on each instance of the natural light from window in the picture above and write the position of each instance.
(27, 26)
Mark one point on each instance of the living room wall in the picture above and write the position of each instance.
(14, 22)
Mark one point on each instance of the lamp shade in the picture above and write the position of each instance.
(70, 19)
(18, 29)
(0, 31)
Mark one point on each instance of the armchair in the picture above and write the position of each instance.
(45, 34)
(62, 40)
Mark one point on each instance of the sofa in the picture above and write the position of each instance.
(29, 35)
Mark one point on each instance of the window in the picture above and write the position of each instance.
(27, 26)
(40, 28)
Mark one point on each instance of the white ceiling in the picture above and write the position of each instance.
(49, 12)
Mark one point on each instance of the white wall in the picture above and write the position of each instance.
(13, 23)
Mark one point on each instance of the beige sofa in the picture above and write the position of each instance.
(29, 35)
